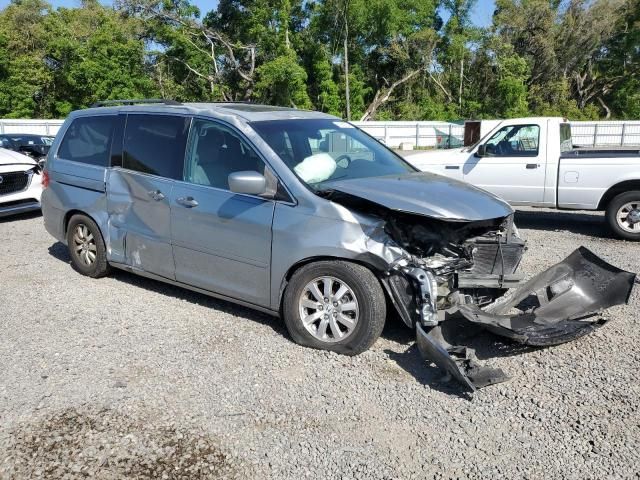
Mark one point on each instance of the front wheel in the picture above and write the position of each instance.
(334, 305)
(623, 215)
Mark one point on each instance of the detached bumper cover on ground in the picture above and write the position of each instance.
(558, 305)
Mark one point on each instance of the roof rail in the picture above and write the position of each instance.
(107, 103)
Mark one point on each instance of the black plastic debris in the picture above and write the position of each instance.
(561, 304)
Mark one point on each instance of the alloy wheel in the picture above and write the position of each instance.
(84, 244)
(329, 309)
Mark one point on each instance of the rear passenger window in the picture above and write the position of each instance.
(88, 140)
(155, 144)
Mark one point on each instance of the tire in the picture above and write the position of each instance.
(628, 205)
(362, 307)
(86, 247)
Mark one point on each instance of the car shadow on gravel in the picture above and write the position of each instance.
(426, 373)
(59, 251)
(591, 224)
(396, 330)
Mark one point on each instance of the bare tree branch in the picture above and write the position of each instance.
(193, 29)
(444, 90)
(606, 108)
(383, 95)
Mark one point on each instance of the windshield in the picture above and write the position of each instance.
(324, 150)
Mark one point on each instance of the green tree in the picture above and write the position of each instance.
(393, 59)
(390, 41)
(324, 90)
(282, 81)
(94, 53)
(26, 81)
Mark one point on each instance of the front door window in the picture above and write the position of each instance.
(215, 151)
(514, 141)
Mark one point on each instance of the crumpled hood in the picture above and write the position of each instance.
(427, 194)
(9, 157)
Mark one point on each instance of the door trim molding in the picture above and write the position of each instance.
(186, 286)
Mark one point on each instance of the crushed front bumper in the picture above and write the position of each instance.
(558, 305)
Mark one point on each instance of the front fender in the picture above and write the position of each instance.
(299, 237)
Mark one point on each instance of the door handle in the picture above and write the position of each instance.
(531, 166)
(157, 195)
(452, 167)
(188, 202)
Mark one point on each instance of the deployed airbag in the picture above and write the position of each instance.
(316, 168)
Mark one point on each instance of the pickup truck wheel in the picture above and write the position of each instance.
(334, 305)
(623, 215)
(86, 247)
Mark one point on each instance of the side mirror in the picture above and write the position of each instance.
(482, 151)
(249, 182)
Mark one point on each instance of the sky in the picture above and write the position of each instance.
(482, 12)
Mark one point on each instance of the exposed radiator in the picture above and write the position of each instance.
(488, 260)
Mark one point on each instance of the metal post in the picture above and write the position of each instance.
(624, 125)
(386, 136)
(449, 139)
(417, 134)
(595, 134)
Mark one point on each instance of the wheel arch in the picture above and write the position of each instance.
(74, 211)
(67, 218)
(376, 267)
(617, 189)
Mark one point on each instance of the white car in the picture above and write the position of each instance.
(20, 183)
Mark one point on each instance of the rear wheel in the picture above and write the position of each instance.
(623, 215)
(334, 305)
(86, 247)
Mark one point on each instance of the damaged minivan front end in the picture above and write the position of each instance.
(452, 252)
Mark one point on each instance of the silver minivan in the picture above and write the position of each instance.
(302, 215)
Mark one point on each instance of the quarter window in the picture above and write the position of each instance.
(215, 151)
(514, 141)
(88, 140)
(155, 144)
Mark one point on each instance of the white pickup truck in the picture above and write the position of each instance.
(532, 161)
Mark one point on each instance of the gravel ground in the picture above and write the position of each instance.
(127, 377)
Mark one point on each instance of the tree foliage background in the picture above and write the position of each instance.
(359, 59)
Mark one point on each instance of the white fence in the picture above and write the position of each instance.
(448, 135)
(612, 133)
(423, 134)
(39, 127)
